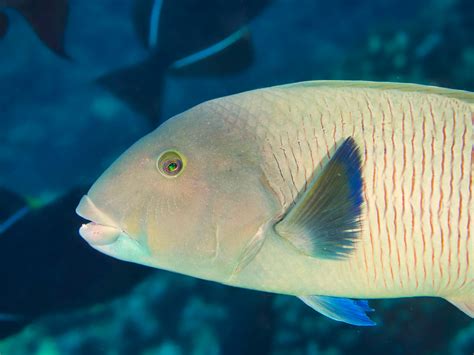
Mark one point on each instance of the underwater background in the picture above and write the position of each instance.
(61, 125)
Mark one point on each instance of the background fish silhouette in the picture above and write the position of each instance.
(183, 36)
(48, 18)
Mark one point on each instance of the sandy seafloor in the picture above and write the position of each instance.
(58, 130)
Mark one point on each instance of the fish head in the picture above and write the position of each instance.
(187, 197)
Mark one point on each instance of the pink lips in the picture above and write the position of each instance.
(97, 234)
(102, 230)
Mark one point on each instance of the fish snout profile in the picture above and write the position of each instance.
(102, 229)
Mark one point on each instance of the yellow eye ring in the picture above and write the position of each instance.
(170, 164)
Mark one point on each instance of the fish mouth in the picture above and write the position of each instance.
(102, 230)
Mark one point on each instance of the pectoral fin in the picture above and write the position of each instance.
(251, 250)
(324, 222)
(341, 309)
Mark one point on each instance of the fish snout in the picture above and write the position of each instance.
(102, 230)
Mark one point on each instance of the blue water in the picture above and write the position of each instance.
(59, 130)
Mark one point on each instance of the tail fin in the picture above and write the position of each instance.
(140, 86)
(230, 55)
(48, 19)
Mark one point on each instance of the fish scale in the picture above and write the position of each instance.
(413, 239)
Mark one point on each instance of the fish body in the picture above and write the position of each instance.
(333, 189)
(417, 173)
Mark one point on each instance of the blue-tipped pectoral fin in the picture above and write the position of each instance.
(324, 222)
(341, 309)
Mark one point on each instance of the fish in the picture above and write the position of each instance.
(40, 256)
(48, 18)
(183, 37)
(335, 192)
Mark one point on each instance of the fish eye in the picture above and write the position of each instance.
(170, 164)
